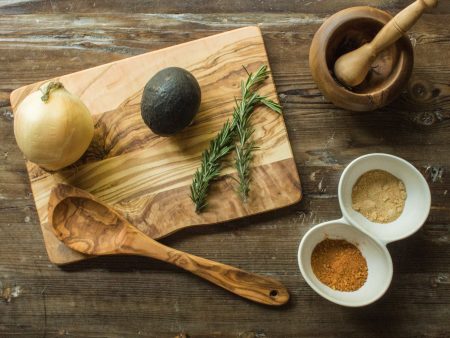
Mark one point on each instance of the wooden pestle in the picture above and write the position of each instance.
(351, 69)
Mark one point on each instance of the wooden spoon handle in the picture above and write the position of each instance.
(400, 24)
(257, 288)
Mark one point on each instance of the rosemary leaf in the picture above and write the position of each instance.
(209, 169)
(271, 105)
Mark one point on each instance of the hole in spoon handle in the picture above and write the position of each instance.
(273, 293)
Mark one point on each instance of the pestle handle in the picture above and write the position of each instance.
(351, 69)
(400, 24)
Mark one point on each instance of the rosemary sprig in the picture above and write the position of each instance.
(209, 169)
(244, 156)
(241, 116)
(244, 151)
(222, 144)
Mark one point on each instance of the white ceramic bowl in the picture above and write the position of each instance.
(417, 204)
(379, 263)
(371, 238)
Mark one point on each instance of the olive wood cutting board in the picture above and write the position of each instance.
(146, 177)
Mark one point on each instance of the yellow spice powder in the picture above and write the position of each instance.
(379, 196)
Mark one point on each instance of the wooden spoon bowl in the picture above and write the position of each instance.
(346, 31)
(87, 225)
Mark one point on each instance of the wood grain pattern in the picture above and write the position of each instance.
(146, 177)
(129, 297)
(88, 226)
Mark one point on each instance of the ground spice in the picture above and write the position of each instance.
(379, 196)
(339, 265)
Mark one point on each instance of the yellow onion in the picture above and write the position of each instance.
(53, 127)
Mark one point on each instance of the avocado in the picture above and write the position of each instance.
(170, 100)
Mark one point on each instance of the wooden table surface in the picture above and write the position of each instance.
(132, 296)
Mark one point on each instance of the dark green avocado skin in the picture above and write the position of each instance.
(170, 100)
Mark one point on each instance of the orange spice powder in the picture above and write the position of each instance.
(339, 265)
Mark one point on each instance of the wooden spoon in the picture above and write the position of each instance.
(87, 225)
(351, 69)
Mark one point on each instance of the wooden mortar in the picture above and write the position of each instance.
(346, 31)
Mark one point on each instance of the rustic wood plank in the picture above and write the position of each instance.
(129, 297)
(198, 6)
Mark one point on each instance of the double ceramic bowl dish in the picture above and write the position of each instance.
(371, 238)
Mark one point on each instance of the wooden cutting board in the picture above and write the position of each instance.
(146, 177)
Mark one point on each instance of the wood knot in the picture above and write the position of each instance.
(421, 90)
(428, 118)
(7, 114)
(425, 119)
(434, 173)
(7, 293)
(440, 279)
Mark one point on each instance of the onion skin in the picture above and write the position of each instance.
(56, 133)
